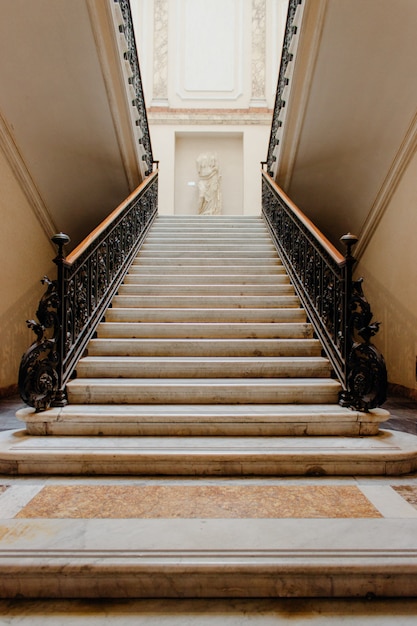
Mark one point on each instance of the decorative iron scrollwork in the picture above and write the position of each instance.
(366, 369)
(38, 375)
(335, 304)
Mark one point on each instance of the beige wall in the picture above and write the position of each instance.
(229, 150)
(25, 257)
(389, 266)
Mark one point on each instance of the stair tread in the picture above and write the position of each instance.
(189, 412)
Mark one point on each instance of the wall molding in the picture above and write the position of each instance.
(103, 20)
(25, 180)
(304, 64)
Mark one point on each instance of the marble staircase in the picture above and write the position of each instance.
(203, 453)
(205, 337)
(205, 364)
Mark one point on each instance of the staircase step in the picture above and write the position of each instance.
(216, 271)
(202, 253)
(210, 290)
(242, 420)
(193, 302)
(205, 347)
(202, 391)
(204, 330)
(197, 367)
(205, 315)
(276, 278)
(390, 453)
(208, 263)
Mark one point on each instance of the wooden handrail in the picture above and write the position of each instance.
(322, 239)
(73, 256)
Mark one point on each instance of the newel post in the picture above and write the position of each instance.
(348, 241)
(60, 240)
(365, 371)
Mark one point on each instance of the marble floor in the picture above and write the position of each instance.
(381, 509)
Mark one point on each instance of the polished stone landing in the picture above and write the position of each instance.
(389, 453)
(229, 612)
(67, 551)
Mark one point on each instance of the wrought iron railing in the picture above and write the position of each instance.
(136, 81)
(76, 301)
(335, 304)
(286, 58)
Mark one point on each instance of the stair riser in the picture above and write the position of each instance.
(227, 369)
(205, 331)
(210, 290)
(79, 393)
(205, 347)
(213, 272)
(205, 279)
(217, 302)
(214, 262)
(207, 254)
(214, 246)
(164, 239)
(205, 315)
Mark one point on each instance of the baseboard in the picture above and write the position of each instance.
(401, 390)
(6, 392)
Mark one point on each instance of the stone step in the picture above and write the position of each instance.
(203, 330)
(198, 367)
(205, 315)
(201, 253)
(209, 302)
(202, 391)
(242, 420)
(181, 237)
(390, 453)
(212, 220)
(216, 271)
(213, 246)
(206, 279)
(205, 347)
(216, 263)
(202, 290)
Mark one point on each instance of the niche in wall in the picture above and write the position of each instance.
(229, 150)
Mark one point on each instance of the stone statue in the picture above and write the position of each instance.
(209, 190)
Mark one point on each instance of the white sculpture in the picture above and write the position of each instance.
(209, 190)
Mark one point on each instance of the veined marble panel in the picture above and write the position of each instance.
(258, 48)
(199, 501)
(160, 61)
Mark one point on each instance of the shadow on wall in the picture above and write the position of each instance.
(16, 337)
(397, 337)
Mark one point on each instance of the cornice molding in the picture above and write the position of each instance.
(309, 39)
(115, 74)
(25, 180)
(395, 173)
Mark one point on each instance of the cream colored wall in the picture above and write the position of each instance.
(389, 266)
(25, 257)
(229, 150)
(250, 152)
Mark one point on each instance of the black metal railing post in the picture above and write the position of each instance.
(60, 240)
(348, 241)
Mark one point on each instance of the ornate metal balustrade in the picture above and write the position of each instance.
(76, 301)
(286, 58)
(136, 81)
(335, 304)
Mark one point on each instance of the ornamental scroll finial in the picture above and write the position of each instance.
(38, 376)
(367, 378)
